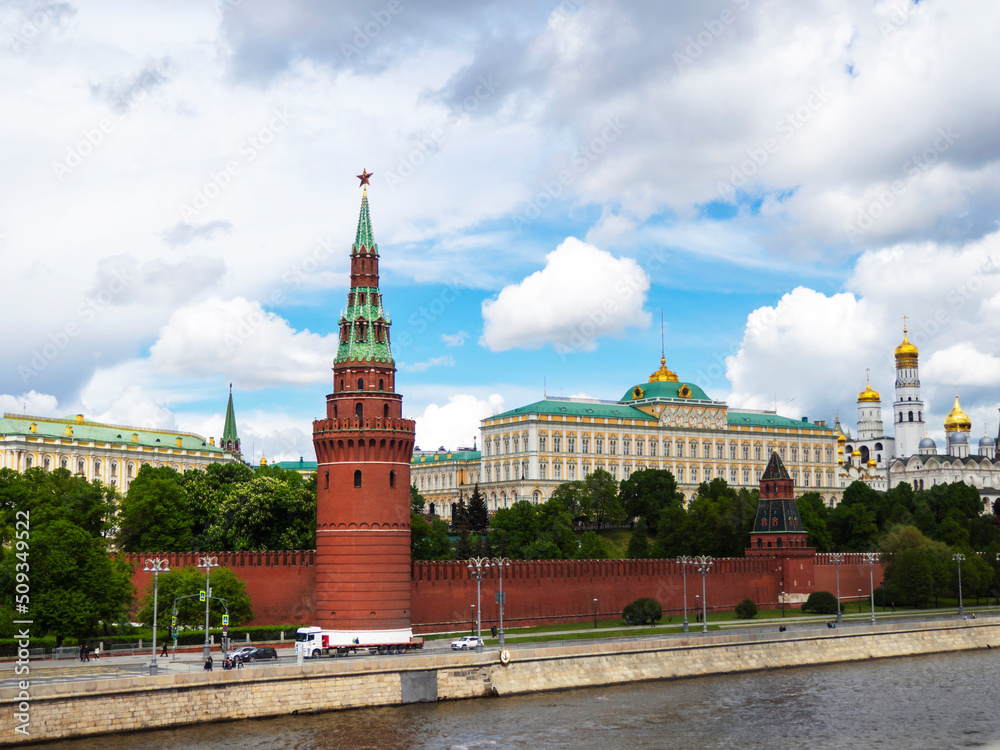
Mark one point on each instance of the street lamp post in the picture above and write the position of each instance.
(472, 620)
(595, 613)
(703, 564)
(155, 567)
(684, 561)
(859, 601)
(837, 557)
(959, 558)
(697, 605)
(207, 563)
(501, 563)
(870, 558)
(479, 568)
(782, 602)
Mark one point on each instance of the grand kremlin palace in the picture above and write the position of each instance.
(661, 424)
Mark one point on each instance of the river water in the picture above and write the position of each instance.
(933, 702)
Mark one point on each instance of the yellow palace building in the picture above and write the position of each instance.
(663, 423)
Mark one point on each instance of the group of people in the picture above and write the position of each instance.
(229, 662)
(85, 651)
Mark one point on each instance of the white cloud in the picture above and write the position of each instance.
(445, 361)
(809, 351)
(963, 364)
(454, 339)
(456, 423)
(583, 293)
(238, 339)
(136, 408)
(33, 403)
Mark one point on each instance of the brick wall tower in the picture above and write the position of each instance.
(363, 450)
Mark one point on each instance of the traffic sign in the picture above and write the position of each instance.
(173, 620)
(225, 620)
(201, 596)
(500, 598)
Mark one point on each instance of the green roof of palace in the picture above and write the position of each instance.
(300, 465)
(447, 456)
(771, 420)
(605, 409)
(665, 389)
(98, 432)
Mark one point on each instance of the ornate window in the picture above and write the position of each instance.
(517, 444)
(626, 446)
(541, 442)
(719, 451)
(638, 447)
(732, 451)
(556, 443)
(557, 468)
(571, 444)
(666, 449)
(599, 445)
(652, 447)
(506, 444)
(612, 446)
(746, 451)
(585, 444)
(756, 452)
(680, 449)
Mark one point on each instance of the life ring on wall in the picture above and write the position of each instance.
(505, 657)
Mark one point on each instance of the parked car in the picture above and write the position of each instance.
(241, 652)
(265, 653)
(466, 643)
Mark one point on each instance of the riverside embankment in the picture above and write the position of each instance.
(59, 711)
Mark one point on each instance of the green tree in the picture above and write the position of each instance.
(592, 547)
(76, 587)
(746, 609)
(600, 495)
(646, 493)
(265, 513)
(638, 543)
(910, 577)
(570, 496)
(821, 603)
(155, 514)
(429, 540)
(813, 513)
(555, 524)
(477, 512)
(417, 501)
(191, 612)
(515, 528)
(642, 611)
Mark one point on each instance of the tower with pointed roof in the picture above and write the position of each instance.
(363, 449)
(777, 530)
(908, 409)
(230, 440)
(957, 426)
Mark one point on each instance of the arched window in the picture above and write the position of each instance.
(341, 384)
(334, 411)
(381, 384)
(359, 410)
(28, 461)
(114, 468)
(385, 411)
(64, 463)
(326, 480)
(357, 478)
(81, 467)
(361, 384)
(46, 462)
(911, 416)
(97, 466)
(392, 480)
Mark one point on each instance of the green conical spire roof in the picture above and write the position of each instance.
(364, 237)
(229, 431)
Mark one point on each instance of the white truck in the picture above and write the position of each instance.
(314, 642)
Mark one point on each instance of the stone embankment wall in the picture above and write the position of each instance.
(131, 704)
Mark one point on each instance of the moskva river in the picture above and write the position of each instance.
(933, 702)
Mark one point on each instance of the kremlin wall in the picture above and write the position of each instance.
(282, 587)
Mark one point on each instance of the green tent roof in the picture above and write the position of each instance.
(447, 456)
(771, 420)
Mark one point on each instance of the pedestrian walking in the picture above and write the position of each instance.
(164, 652)
(97, 652)
(208, 663)
(83, 651)
(86, 653)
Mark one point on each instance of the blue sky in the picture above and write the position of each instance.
(784, 183)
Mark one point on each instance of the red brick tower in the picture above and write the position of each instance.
(363, 450)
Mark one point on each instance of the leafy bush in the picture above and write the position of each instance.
(643, 611)
(821, 603)
(746, 609)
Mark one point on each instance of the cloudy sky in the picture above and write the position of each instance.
(784, 181)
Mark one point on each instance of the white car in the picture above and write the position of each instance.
(466, 642)
(241, 653)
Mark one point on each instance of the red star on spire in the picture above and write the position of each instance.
(364, 177)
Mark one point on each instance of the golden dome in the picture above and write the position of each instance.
(869, 394)
(957, 420)
(856, 452)
(872, 463)
(841, 439)
(263, 460)
(906, 353)
(663, 375)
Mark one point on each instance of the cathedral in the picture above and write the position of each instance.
(883, 461)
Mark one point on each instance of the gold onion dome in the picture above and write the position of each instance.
(906, 353)
(663, 375)
(856, 453)
(872, 463)
(841, 439)
(957, 420)
(869, 394)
